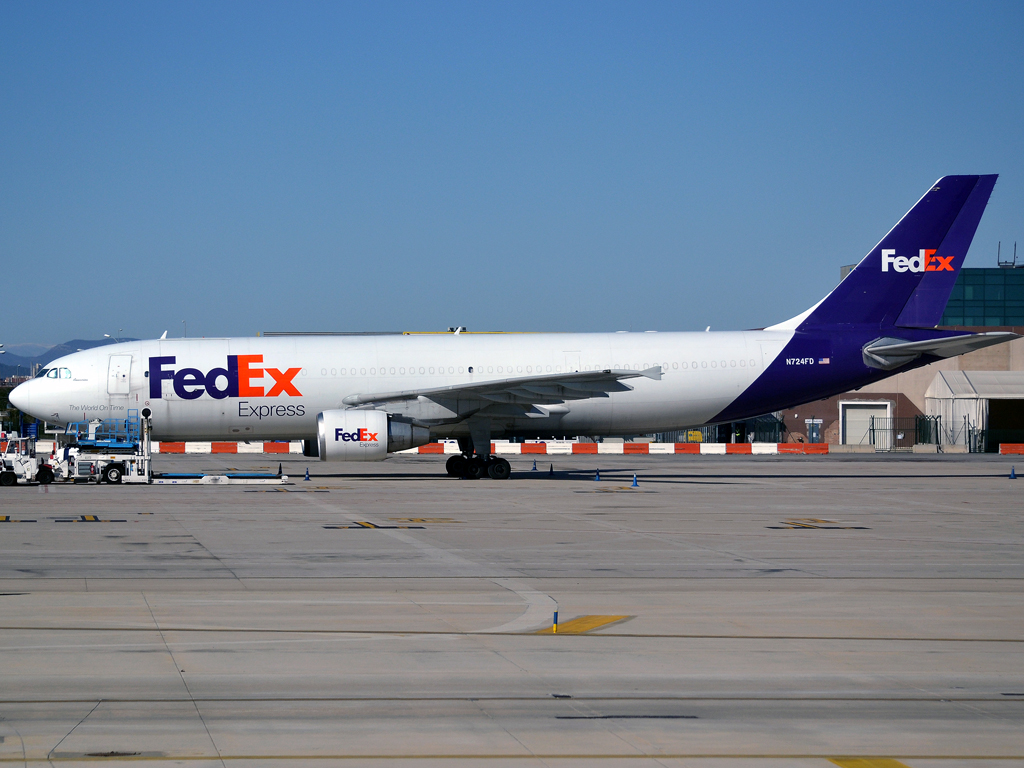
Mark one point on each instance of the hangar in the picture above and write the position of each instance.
(979, 409)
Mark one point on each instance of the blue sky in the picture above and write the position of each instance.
(504, 166)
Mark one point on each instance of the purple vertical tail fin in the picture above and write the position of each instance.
(906, 279)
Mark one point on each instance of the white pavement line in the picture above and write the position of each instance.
(441, 555)
(466, 567)
(540, 608)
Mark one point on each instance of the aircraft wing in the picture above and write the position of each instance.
(522, 391)
(891, 353)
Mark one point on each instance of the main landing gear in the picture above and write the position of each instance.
(476, 467)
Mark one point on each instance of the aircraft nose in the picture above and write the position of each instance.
(21, 399)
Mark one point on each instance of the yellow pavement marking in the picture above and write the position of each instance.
(371, 526)
(582, 624)
(866, 762)
(424, 520)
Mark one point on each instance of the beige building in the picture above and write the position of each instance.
(899, 399)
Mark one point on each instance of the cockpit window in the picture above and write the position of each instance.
(54, 373)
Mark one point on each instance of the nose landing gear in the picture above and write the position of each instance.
(476, 467)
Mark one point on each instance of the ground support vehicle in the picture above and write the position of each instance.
(120, 451)
(113, 451)
(18, 463)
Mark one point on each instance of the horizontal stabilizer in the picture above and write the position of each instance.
(889, 353)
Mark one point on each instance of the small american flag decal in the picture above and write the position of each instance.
(823, 361)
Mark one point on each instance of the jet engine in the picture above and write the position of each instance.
(358, 435)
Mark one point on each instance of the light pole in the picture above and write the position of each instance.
(186, 328)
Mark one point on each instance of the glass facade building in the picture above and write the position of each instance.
(986, 296)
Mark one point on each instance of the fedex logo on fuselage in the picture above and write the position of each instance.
(359, 436)
(925, 261)
(233, 381)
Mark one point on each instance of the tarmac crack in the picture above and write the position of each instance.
(184, 682)
(49, 754)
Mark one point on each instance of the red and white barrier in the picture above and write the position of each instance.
(556, 447)
(503, 447)
(295, 446)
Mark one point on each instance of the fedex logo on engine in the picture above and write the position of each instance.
(233, 381)
(359, 436)
(925, 261)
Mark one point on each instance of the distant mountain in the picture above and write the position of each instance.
(72, 346)
(26, 350)
(9, 363)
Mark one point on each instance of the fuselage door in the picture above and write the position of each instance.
(119, 374)
(770, 349)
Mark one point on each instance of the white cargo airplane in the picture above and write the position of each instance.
(359, 397)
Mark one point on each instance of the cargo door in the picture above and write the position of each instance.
(119, 373)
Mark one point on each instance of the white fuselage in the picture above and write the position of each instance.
(702, 374)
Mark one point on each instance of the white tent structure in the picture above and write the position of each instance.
(962, 398)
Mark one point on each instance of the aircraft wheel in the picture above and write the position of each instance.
(456, 466)
(44, 476)
(475, 468)
(8, 478)
(499, 469)
(112, 473)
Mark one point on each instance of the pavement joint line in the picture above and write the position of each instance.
(553, 577)
(471, 633)
(941, 699)
(81, 757)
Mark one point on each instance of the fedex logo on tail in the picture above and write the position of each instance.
(359, 436)
(925, 261)
(234, 381)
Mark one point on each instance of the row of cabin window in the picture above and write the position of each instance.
(540, 369)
